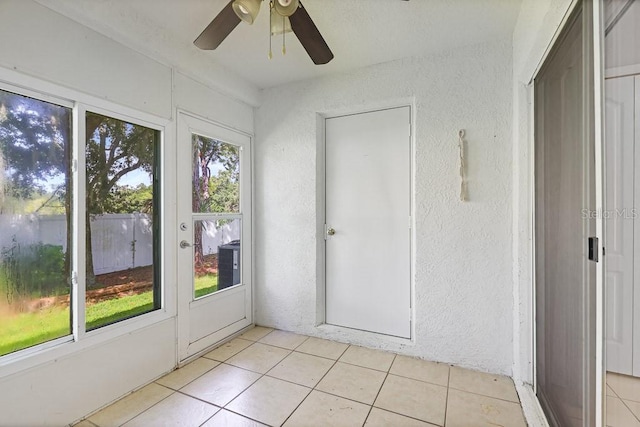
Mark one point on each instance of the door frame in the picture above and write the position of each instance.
(598, 359)
(185, 354)
(321, 202)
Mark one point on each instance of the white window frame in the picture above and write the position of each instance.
(80, 339)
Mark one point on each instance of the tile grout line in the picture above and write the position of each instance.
(314, 387)
(484, 395)
(262, 375)
(395, 355)
(193, 361)
(227, 364)
(155, 404)
(629, 409)
(335, 361)
(446, 400)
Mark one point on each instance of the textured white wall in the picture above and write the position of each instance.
(463, 286)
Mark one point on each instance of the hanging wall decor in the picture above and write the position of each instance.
(463, 179)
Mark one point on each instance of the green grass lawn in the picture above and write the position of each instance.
(205, 285)
(24, 330)
(28, 329)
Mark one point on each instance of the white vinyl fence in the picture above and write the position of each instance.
(119, 241)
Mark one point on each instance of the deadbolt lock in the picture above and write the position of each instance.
(331, 232)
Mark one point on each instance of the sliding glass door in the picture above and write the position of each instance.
(567, 233)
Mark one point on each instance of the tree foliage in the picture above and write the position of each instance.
(215, 182)
(128, 199)
(35, 149)
(34, 139)
(114, 149)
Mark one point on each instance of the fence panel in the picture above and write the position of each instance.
(119, 241)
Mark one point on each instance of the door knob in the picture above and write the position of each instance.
(184, 244)
(331, 232)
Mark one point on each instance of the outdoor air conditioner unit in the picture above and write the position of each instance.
(229, 264)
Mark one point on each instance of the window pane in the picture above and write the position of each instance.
(216, 255)
(35, 194)
(122, 219)
(216, 176)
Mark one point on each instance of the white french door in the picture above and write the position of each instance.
(214, 233)
(368, 221)
(619, 237)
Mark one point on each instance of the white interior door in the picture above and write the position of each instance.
(619, 222)
(214, 230)
(368, 209)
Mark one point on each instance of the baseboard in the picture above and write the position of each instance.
(533, 412)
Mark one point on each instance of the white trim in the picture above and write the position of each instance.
(321, 219)
(554, 39)
(532, 230)
(58, 92)
(78, 223)
(598, 102)
(197, 116)
(531, 408)
(40, 96)
(628, 70)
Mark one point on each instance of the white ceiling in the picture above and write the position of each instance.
(359, 32)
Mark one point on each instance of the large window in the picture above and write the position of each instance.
(35, 142)
(121, 248)
(121, 252)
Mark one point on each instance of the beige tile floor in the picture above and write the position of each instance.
(623, 400)
(270, 377)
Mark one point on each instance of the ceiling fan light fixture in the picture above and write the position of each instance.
(247, 10)
(286, 7)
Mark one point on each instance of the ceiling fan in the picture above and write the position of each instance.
(247, 10)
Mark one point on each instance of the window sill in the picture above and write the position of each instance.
(50, 351)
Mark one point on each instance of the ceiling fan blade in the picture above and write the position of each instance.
(310, 37)
(218, 29)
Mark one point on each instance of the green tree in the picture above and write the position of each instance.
(35, 149)
(127, 199)
(213, 192)
(114, 148)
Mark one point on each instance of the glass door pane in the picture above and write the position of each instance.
(216, 176)
(219, 267)
(216, 215)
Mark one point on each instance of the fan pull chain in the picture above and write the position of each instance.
(270, 22)
(463, 180)
(284, 46)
